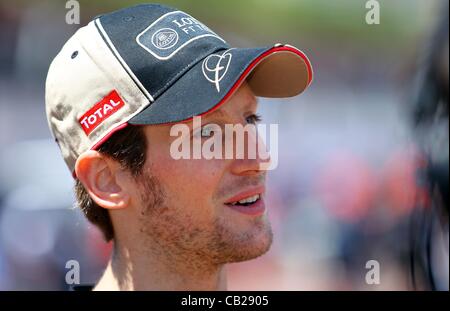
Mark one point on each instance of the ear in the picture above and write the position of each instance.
(103, 178)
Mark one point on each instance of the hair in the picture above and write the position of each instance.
(128, 147)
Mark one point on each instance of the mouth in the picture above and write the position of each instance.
(249, 202)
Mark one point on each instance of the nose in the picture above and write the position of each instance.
(250, 155)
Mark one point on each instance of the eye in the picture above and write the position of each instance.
(253, 119)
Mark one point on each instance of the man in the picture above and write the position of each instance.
(113, 96)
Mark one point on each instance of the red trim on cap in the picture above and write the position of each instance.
(306, 60)
(108, 135)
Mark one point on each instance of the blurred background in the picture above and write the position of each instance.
(363, 154)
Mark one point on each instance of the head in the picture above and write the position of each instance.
(113, 93)
(180, 206)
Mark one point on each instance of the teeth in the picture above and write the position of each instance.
(251, 199)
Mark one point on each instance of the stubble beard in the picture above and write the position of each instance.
(173, 234)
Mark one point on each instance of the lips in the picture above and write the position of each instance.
(250, 202)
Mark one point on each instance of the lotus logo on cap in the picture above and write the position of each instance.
(172, 32)
(165, 38)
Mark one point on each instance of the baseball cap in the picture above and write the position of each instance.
(153, 64)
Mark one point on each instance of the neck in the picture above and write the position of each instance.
(133, 269)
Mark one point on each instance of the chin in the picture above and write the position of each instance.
(253, 250)
(245, 244)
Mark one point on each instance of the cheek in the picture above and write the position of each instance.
(190, 184)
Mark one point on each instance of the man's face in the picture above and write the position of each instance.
(185, 206)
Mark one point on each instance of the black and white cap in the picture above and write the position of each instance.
(152, 64)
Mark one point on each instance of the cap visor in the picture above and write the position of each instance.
(280, 71)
